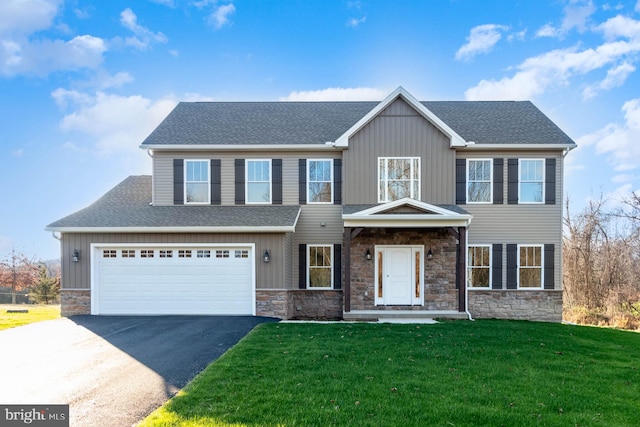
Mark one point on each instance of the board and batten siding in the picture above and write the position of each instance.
(163, 170)
(268, 275)
(519, 223)
(399, 131)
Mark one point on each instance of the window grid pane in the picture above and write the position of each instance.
(530, 267)
(319, 184)
(399, 178)
(479, 267)
(258, 181)
(531, 180)
(479, 181)
(320, 267)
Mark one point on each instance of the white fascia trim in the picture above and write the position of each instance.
(455, 139)
(239, 229)
(404, 221)
(523, 147)
(405, 202)
(327, 146)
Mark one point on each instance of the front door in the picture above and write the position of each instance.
(399, 275)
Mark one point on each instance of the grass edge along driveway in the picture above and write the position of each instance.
(36, 313)
(455, 373)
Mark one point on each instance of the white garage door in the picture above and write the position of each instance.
(173, 280)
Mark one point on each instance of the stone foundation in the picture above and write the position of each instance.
(75, 301)
(299, 304)
(543, 305)
(273, 303)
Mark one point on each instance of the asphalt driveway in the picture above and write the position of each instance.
(112, 370)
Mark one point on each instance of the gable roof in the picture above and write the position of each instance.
(314, 124)
(127, 208)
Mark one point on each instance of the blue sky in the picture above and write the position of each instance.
(82, 83)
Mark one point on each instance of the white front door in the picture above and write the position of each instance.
(399, 271)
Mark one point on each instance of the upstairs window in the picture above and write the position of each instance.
(398, 177)
(479, 178)
(258, 181)
(531, 181)
(196, 181)
(319, 181)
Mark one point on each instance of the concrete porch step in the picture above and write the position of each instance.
(372, 315)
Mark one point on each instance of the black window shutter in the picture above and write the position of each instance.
(302, 181)
(178, 181)
(216, 182)
(512, 176)
(496, 267)
(302, 266)
(498, 181)
(239, 181)
(276, 166)
(512, 266)
(337, 266)
(550, 182)
(461, 181)
(549, 260)
(337, 181)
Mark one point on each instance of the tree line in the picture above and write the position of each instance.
(23, 279)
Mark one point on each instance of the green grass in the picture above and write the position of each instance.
(36, 313)
(458, 373)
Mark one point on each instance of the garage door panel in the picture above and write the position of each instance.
(174, 285)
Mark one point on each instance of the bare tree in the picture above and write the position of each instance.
(17, 272)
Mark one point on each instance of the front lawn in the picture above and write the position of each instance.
(36, 313)
(455, 373)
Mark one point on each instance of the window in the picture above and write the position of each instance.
(146, 253)
(531, 174)
(222, 254)
(184, 253)
(108, 253)
(479, 175)
(258, 181)
(530, 266)
(196, 181)
(398, 177)
(479, 266)
(319, 181)
(128, 253)
(320, 267)
(203, 253)
(166, 253)
(244, 253)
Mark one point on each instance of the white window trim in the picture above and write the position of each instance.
(208, 201)
(246, 182)
(309, 181)
(319, 245)
(490, 182)
(541, 267)
(490, 266)
(541, 202)
(385, 199)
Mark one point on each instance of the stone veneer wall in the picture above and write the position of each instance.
(440, 291)
(75, 301)
(543, 305)
(299, 304)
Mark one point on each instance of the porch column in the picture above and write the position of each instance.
(346, 289)
(462, 268)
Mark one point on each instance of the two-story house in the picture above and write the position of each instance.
(354, 210)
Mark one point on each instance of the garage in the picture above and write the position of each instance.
(176, 279)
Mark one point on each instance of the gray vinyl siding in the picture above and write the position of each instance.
(399, 131)
(523, 223)
(268, 276)
(310, 231)
(163, 172)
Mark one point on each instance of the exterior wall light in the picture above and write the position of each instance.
(76, 256)
(266, 257)
(368, 255)
(430, 254)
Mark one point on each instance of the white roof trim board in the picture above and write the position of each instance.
(434, 216)
(455, 139)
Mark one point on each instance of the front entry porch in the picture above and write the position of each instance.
(405, 264)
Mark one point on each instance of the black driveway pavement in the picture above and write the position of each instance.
(112, 370)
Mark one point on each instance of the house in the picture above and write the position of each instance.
(330, 210)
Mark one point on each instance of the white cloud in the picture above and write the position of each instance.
(354, 22)
(27, 16)
(220, 16)
(338, 94)
(619, 143)
(615, 78)
(481, 40)
(143, 37)
(620, 26)
(547, 30)
(637, 8)
(116, 123)
(576, 15)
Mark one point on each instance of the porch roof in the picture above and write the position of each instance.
(405, 213)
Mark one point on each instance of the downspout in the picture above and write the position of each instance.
(53, 233)
(153, 193)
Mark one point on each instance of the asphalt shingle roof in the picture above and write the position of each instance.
(258, 123)
(128, 205)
